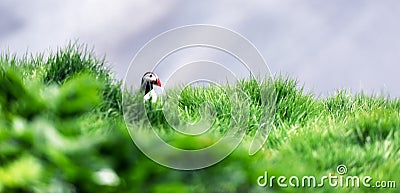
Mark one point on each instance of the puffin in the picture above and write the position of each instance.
(148, 80)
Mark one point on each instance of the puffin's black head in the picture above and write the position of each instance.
(148, 80)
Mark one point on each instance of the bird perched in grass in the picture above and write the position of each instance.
(148, 80)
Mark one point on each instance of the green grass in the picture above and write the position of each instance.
(61, 123)
(66, 63)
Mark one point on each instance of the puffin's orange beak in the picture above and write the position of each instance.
(158, 82)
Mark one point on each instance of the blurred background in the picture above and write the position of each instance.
(325, 45)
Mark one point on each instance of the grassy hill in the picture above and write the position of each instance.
(62, 130)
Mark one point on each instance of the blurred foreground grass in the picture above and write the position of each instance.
(62, 130)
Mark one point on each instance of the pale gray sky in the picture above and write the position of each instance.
(325, 44)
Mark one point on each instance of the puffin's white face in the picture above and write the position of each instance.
(153, 78)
